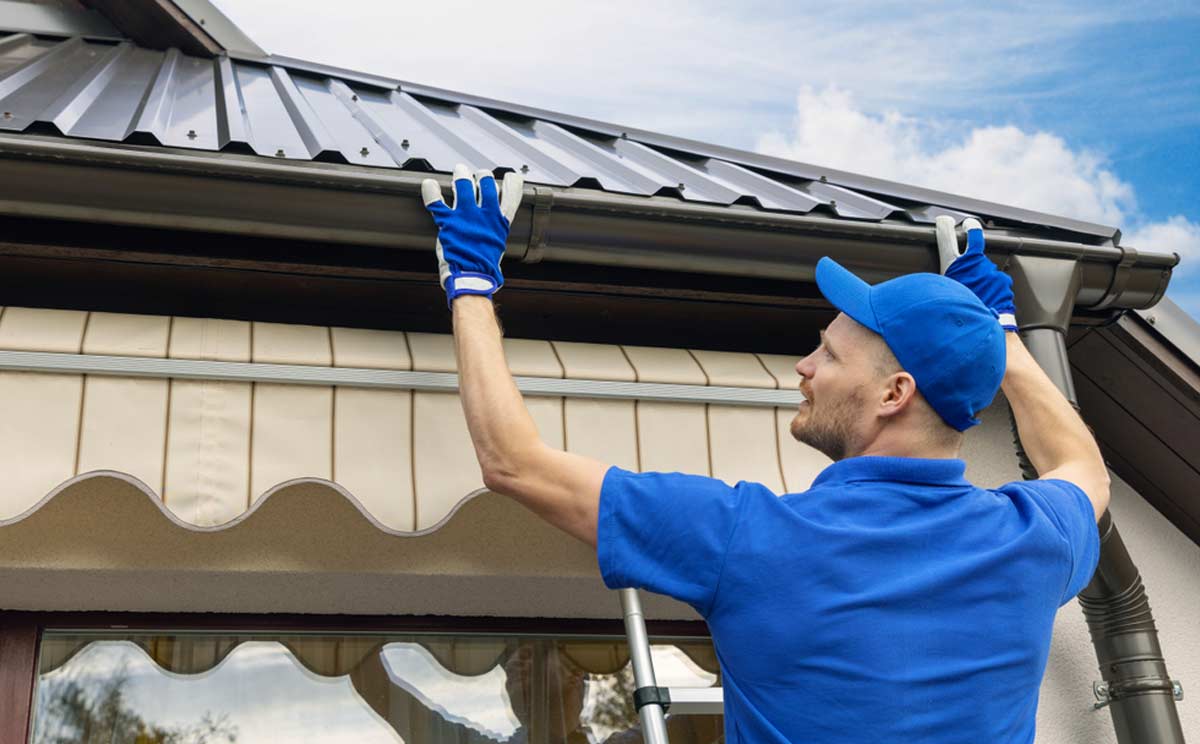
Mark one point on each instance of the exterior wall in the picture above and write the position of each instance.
(1169, 563)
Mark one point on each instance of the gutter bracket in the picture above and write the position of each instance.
(543, 200)
(1108, 692)
(1120, 280)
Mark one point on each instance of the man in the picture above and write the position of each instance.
(891, 602)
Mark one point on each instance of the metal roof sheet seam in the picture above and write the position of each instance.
(80, 88)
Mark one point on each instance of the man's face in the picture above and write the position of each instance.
(835, 379)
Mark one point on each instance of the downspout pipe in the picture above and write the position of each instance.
(1134, 685)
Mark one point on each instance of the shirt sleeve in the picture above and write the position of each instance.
(666, 532)
(1072, 514)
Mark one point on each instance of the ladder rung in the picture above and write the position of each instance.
(696, 700)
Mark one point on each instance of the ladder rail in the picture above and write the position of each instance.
(652, 700)
(654, 723)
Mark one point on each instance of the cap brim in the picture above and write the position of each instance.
(846, 292)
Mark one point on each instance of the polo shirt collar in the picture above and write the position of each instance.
(915, 470)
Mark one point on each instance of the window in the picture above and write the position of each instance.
(255, 688)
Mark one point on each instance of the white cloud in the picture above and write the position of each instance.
(1003, 164)
(710, 70)
(1179, 235)
(1036, 170)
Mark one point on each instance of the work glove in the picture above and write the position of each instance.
(472, 233)
(976, 271)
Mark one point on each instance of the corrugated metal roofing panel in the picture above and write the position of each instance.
(121, 93)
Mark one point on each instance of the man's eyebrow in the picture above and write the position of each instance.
(825, 341)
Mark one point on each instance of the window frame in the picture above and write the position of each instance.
(21, 634)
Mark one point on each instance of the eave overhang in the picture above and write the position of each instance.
(53, 178)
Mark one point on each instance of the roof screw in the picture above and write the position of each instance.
(191, 134)
(624, 135)
(7, 114)
(824, 179)
(1151, 319)
(682, 186)
(279, 153)
(1177, 689)
(364, 152)
(404, 144)
(353, 96)
(833, 203)
(524, 168)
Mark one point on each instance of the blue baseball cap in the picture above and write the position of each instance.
(940, 332)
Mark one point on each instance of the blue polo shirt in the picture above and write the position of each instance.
(891, 602)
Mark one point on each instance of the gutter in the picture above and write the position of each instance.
(53, 178)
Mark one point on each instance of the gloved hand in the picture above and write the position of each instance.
(472, 233)
(975, 271)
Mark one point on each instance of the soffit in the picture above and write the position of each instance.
(1139, 389)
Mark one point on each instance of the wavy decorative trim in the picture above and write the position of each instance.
(339, 656)
(104, 540)
(171, 516)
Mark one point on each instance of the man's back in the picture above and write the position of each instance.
(893, 601)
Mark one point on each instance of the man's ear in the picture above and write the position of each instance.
(899, 391)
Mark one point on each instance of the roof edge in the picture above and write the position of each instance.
(121, 184)
(1104, 233)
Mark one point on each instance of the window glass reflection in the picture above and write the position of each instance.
(218, 689)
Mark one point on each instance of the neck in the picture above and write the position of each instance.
(905, 444)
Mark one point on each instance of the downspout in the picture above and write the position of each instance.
(1135, 685)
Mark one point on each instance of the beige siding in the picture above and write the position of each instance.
(783, 368)
(672, 437)
(125, 427)
(36, 329)
(207, 479)
(38, 435)
(212, 447)
(603, 429)
(292, 436)
(743, 443)
(372, 434)
(734, 369)
(125, 419)
(127, 335)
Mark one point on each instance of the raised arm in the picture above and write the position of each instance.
(560, 487)
(1058, 443)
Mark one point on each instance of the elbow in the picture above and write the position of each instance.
(502, 474)
(498, 474)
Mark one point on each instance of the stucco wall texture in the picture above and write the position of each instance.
(1170, 566)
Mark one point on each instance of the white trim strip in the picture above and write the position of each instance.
(299, 374)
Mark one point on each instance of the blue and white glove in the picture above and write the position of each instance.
(976, 271)
(472, 233)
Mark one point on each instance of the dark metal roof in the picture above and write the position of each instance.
(292, 110)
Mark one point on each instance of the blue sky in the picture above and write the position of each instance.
(1090, 110)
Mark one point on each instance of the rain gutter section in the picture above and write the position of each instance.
(1134, 684)
(47, 177)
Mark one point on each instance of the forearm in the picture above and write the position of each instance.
(1051, 431)
(500, 425)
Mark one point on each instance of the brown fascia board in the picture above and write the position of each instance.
(157, 24)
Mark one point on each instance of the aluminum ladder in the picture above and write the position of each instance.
(651, 700)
